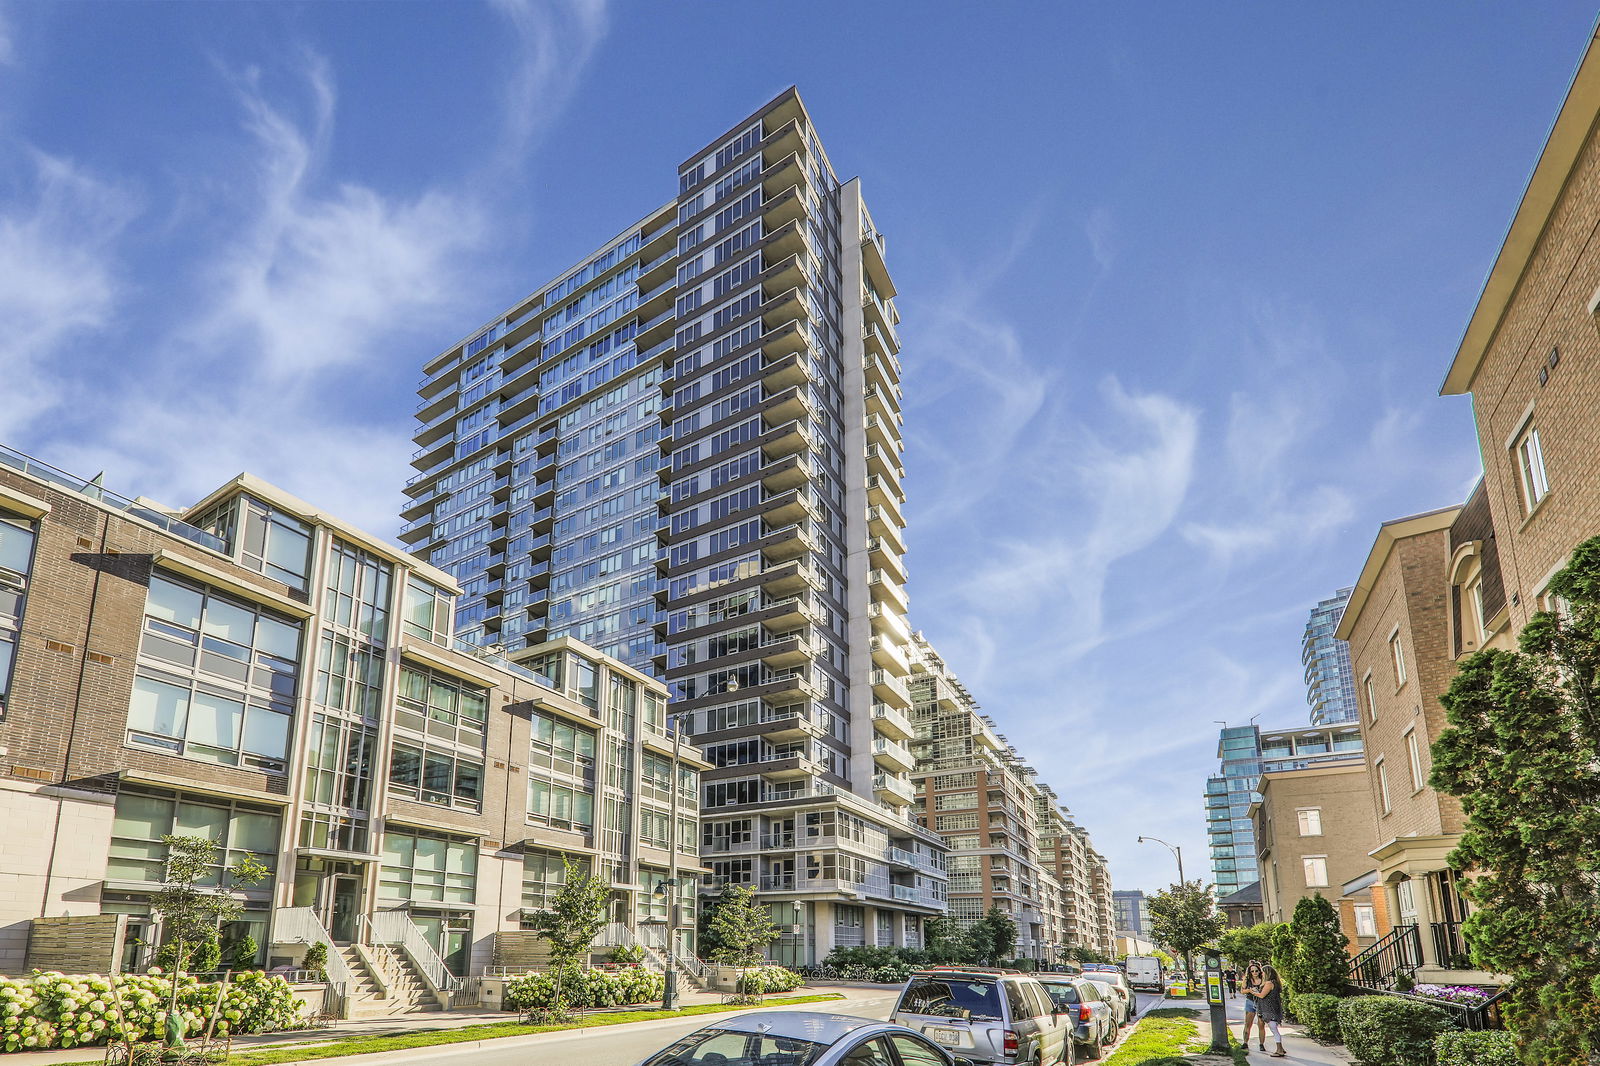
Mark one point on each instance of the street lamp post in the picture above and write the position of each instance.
(1176, 851)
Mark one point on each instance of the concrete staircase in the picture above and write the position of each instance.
(394, 987)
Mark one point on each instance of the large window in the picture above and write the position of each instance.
(16, 562)
(560, 746)
(1529, 456)
(1414, 760)
(423, 867)
(433, 775)
(543, 875)
(442, 707)
(560, 806)
(339, 763)
(263, 538)
(1397, 654)
(357, 595)
(216, 680)
(427, 612)
(1310, 819)
(138, 853)
(1316, 870)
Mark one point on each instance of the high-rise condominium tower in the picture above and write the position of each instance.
(685, 451)
(1330, 682)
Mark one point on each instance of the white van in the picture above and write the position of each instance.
(1144, 973)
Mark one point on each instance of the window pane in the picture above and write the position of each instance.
(405, 768)
(142, 817)
(279, 638)
(172, 602)
(157, 707)
(214, 720)
(469, 781)
(288, 548)
(255, 832)
(266, 733)
(430, 854)
(232, 623)
(195, 820)
(16, 546)
(437, 773)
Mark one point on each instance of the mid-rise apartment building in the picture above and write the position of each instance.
(686, 451)
(254, 670)
(1012, 843)
(1246, 752)
(1330, 685)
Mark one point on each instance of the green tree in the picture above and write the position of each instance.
(1523, 754)
(740, 928)
(192, 910)
(1321, 962)
(1284, 949)
(946, 941)
(993, 938)
(1183, 917)
(1247, 944)
(575, 917)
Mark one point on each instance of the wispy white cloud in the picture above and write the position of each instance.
(58, 279)
(308, 287)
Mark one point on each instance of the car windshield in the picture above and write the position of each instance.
(1062, 993)
(944, 997)
(725, 1047)
(1102, 977)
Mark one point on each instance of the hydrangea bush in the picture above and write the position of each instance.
(1452, 993)
(582, 989)
(53, 1010)
(760, 980)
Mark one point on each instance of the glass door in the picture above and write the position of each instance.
(344, 909)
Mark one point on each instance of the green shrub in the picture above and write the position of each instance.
(582, 989)
(1319, 1013)
(1389, 1031)
(760, 980)
(51, 1010)
(1476, 1049)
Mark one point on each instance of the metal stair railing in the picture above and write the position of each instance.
(300, 925)
(1399, 952)
(396, 929)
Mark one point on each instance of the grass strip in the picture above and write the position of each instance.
(1162, 1038)
(369, 1045)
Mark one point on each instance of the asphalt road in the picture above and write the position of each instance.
(625, 1045)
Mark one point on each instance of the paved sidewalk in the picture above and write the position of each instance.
(1303, 1051)
(421, 1022)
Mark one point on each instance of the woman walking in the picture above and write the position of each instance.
(1269, 1009)
(1252, 988)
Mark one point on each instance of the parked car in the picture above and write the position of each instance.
(803, 1038)
(1125, 1002)
(1086, 1008)
(985, 1016)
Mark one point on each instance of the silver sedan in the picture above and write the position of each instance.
(802, 1038)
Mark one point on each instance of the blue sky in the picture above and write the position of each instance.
(1179, 283)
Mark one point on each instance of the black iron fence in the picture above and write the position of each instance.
(1448, 946)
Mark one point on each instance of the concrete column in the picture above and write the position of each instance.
(821, 928)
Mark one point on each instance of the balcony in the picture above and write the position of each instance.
(873, 266)
(789, 239)
(777, 882)
(880, 314)
(885, 492)
(884, 402)
(782, 174)
(785, 207)
(892, 755)
(788, 369)
(789, 612)
(886, 620)
(785, 307)
(890, 690)
(883, 553)
(891, 723)
(794, 576)
(895, 789)
(889, 655)
(883, 432)
(783, 276)
(792, 722)
(652, 274)
(787, 440)
(655, 329)
(786, 405)
(885, 589)
(787, 508)
(883, 462)
(788, 766)
(790, 650)
(788, 473)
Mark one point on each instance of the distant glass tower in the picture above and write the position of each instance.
(1330, 681)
